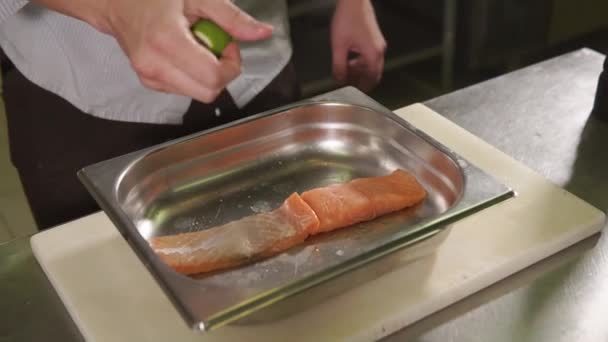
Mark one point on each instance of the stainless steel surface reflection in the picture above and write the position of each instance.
(251, 166)
(540, 115)
(219, 177)
(31, 310)
(563, 298)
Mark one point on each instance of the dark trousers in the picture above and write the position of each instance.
(600, 105)
(50, 140)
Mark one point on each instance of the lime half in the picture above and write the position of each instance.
(211, 35)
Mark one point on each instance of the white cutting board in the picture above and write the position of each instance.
(112, 297)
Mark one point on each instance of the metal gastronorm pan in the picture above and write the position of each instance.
(252, 165)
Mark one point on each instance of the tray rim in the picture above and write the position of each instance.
(102, 181)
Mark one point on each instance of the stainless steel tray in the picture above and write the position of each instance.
(252, 165)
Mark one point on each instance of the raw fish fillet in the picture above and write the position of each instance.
(338, 205)
(390, 193)
(238, 242)
(266, 234)
(363, 199)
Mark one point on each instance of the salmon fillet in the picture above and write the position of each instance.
(239, 241)
(363, 199)
(266, 234)
(338, 205)
(390, 193)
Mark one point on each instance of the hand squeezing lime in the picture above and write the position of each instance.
(211, 35)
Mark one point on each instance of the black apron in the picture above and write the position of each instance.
(50, 140)
(600, 105)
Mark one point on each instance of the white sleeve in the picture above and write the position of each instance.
(10, 7)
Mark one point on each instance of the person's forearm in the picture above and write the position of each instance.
(94, 12)
(155, 36)
(364, 39)
(353, 3)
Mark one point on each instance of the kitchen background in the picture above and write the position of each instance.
(434, 47)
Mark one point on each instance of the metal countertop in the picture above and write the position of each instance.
(540, 116)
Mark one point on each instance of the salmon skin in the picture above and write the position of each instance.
(262, 235)
(240, 241)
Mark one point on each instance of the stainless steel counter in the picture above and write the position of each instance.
(30, 310)
(540, 116)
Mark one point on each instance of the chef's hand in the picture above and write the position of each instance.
(354, 29)
(156, 37)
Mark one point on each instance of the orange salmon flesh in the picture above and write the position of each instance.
(263, 235)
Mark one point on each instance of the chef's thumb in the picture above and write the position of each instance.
(240, 25)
